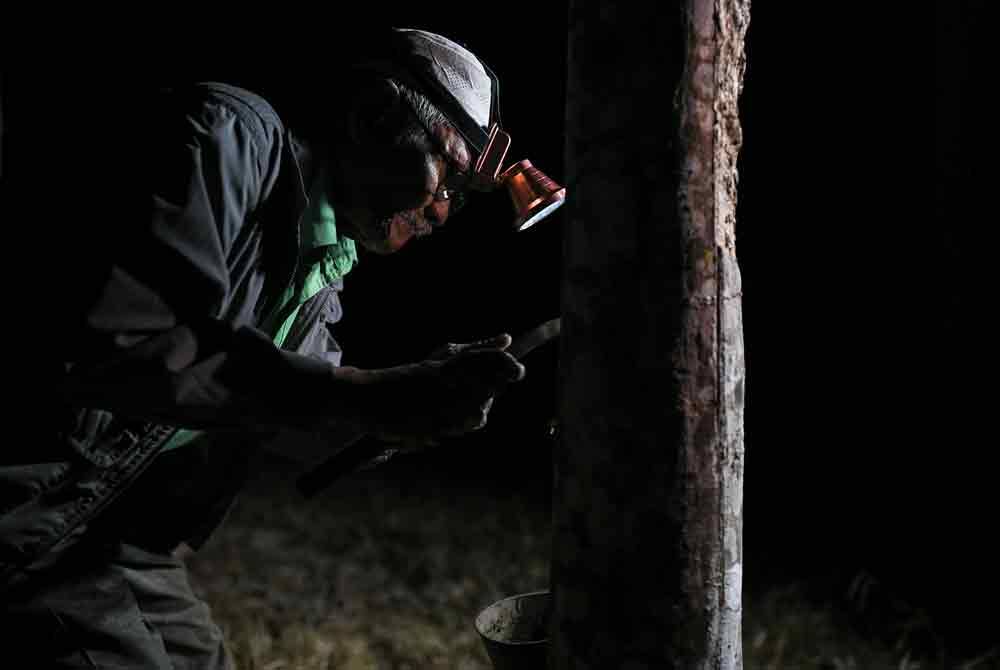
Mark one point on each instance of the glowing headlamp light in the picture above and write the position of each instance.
(533, 194)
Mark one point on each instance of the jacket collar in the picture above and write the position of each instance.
(281, 216)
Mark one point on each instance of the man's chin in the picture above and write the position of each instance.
(389, 239)
(384, 246)
(380, 248)
(400, 232)
(381, 244)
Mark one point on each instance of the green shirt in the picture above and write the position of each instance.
(317, 229)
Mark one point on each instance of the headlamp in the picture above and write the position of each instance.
(533, 194)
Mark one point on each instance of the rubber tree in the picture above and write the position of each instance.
(647, 566)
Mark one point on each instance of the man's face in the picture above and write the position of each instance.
(387, 195)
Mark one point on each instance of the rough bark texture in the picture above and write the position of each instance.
(648, 498)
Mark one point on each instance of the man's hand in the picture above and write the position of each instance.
(449, 393)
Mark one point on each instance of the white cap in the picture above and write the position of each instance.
(457, 69)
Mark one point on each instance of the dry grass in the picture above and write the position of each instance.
(372, 574)
(386, 572)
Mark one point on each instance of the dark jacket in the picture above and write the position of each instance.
(157, 321)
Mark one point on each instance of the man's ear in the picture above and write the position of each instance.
(372, 110)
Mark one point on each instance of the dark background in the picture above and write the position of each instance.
(866, 442)
(861, 239)
(857, 237)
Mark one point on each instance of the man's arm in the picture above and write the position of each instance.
(156, 348)
(150, 341)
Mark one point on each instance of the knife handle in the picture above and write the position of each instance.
(343, 463)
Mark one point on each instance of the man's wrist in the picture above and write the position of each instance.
(376, 399)
(354, 401)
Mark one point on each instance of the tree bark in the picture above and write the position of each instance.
(647, 558)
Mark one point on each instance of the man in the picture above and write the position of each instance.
(207, 308)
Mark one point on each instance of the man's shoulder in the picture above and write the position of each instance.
(244, 99)
(254, 111)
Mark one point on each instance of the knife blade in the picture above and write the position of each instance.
(527, 342)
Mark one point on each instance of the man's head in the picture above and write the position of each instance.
(399, 170)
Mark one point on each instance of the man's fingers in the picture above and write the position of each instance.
(451, 349)
(486, 368)
(500, 342)
(483, 414)
(471, 419)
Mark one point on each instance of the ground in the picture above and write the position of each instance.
(387, 571)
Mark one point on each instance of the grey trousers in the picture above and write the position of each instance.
(126, 608)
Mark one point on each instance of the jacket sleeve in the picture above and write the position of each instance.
(150, 342)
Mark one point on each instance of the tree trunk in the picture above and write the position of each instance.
(647, 552)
